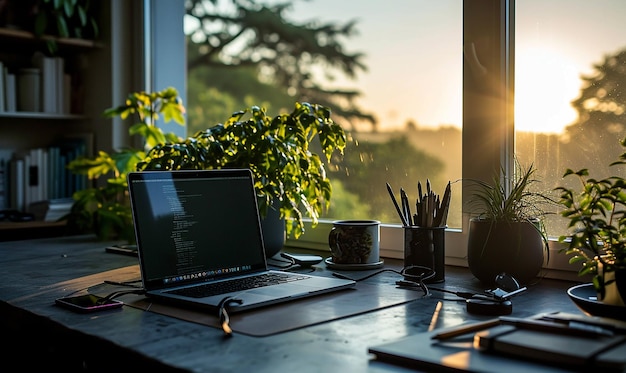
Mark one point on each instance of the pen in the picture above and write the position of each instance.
(526, 324)
(465, 328)
(550, 327)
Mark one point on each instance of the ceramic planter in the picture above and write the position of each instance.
(274, 234)
(615, 286)
(515, 248)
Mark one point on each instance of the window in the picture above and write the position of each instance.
(569, 67)
(439, 82)
(412, 88)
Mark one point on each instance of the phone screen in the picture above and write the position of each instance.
(88, 303)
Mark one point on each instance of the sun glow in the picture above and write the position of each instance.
(546, 83)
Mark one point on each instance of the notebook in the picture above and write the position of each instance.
(197, 228)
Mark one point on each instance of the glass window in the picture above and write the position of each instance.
(570, 68)
(564, 59)
(408, 96)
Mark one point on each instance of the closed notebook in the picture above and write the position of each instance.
(607, 352)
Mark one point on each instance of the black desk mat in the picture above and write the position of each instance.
(364, 297)
(295, 314)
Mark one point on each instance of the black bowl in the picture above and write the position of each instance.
(585, 297)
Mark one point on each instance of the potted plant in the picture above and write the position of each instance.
(507, 234)
(290, 176)
(105, 209)
(597, 223)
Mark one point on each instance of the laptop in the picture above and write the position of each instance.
(199, 229)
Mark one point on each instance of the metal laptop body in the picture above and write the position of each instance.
(194, 227)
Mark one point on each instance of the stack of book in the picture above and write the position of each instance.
(41, 174)
(51, 210)
(44, 87)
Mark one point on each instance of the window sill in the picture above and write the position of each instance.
(391, 243)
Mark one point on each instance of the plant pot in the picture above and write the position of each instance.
(273, 228)
(494, 247)
(615, 286)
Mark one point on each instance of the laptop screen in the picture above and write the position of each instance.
(195, 225)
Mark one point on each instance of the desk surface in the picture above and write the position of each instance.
(32, 275)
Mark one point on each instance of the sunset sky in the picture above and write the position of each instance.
(414, 47)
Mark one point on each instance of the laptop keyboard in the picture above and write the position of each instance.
(238, 284)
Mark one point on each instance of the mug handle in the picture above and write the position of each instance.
(333, 242)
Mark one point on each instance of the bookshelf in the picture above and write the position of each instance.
(82, 91)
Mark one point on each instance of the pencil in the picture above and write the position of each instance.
(435, 318)
(465, 328)
(395, 203)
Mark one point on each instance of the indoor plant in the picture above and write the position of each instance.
(507, 234)
(597, 223)
(105, 209)
(290, 176)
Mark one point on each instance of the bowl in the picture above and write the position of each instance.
(585, 297)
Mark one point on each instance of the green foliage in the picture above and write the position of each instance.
(276, 149)
(64, 18)
(493, 201)
(106, 209)
(247, 34)
(512, 200)
(597, 223)
(367, 165)
(214, 93)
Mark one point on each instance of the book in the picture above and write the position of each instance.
(2, 88)
(29, 90)
(51, 210)
(16, 184)
(555, 348)
(3, 184)
(525, 346)
(59, 70)
(10, 93)
(49, 90)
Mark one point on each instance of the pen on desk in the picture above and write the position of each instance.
(465, 328)
(527, 324)
(395, 203)
(556, 328)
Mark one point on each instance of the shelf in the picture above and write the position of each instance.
(21, 36)
(37, 115)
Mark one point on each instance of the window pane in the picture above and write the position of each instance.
(413, 87)
(410, 85)
(570, 66)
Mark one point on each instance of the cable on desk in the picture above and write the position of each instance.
(291, 263)
(222, 313)
(116, 294)
(416, 280)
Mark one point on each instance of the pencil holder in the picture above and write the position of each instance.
(425, 246)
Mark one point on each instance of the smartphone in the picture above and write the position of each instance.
(88, 303)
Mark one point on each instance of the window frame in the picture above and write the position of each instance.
(488, 130)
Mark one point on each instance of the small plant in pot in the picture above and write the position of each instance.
(507, 235)
(290, 176)
(597, 237)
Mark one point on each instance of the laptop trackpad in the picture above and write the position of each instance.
(284, 290)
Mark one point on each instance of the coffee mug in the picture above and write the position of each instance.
(355, 241)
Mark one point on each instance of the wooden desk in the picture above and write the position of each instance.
(43, 337)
